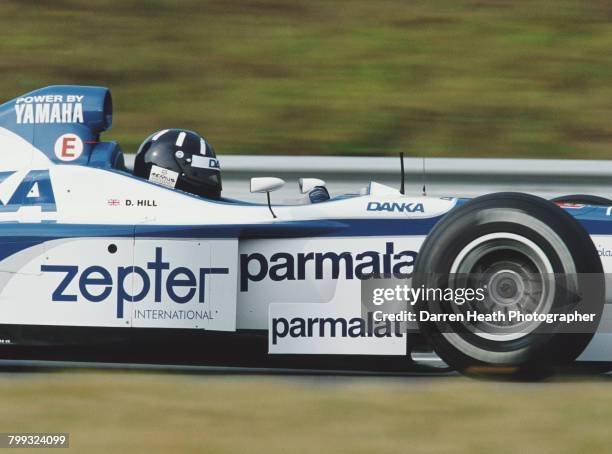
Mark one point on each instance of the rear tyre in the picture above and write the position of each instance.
(528, 253)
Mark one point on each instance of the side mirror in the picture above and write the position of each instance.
(266, 184)
(308, 184)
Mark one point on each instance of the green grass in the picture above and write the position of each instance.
(530, 78)
(154, 413)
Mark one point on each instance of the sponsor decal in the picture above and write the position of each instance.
(34, 190)
(96, 283)
(396, 207)
(332, 327)
(204, 162)
(163, 176)
(49, 109)
(160, 314)
(68, 147)
(603, 251)
(285, 266)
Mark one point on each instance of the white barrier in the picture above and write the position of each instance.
(443, 176)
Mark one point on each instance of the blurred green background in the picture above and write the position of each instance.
(442, 77)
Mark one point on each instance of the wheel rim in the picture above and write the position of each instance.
(517, 275)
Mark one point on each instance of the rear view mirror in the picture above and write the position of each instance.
(308, 184)
(266, 184)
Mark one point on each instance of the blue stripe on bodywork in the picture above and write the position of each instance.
(15, 237)
(13, 231)
(295, 229)
(597, 226)
(13, 247)
(316, 228)
(596, 220)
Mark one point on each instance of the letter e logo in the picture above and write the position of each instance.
(68, 147)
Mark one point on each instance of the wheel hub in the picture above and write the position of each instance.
(506, 287)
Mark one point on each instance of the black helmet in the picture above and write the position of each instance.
(180, 159)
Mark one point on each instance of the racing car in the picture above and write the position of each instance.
(100, 265)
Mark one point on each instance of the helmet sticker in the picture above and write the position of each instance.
(181, 138)
(159, 134)
(163, 176)
(204, 162)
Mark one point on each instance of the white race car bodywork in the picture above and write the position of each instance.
(92, 246)
(71, 278)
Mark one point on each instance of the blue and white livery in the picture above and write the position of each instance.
(92, 256)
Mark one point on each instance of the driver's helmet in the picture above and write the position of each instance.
(180, 159)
